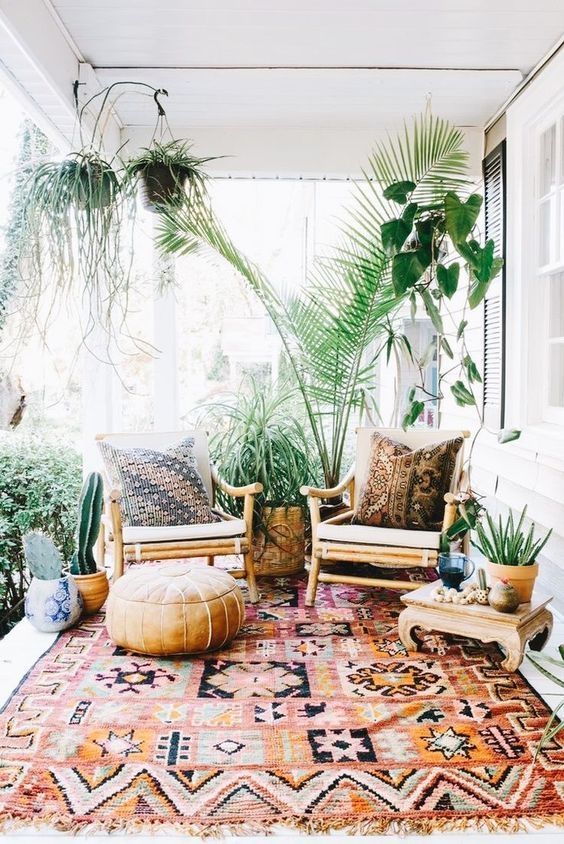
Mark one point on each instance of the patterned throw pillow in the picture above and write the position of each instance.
(405, 489)
(159, 488)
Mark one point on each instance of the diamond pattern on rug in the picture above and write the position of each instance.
(311, 717)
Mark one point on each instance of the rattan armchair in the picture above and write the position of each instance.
(337, 540)
(231, 535)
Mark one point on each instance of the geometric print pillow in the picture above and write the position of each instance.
(158, 488)
(405, 489)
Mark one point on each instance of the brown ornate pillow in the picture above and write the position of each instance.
(405, 489)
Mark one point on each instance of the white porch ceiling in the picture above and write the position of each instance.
(313, 63)
(310, 98)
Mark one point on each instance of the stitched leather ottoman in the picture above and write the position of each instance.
(178, 608)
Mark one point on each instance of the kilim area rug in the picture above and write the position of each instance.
(315, 718)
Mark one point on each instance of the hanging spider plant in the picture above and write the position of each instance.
(79, 215)
(168, 175)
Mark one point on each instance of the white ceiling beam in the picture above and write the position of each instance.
(41, 63)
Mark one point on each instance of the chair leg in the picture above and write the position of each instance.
(209, 561)
(250, 576)
(313, 580)
(118, 558)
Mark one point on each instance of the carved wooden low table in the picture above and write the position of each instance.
(531, 622)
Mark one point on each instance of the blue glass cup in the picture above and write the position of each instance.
(454, 569)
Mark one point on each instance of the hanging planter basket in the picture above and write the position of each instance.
(161, 185)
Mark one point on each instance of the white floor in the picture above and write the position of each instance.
(20, 649)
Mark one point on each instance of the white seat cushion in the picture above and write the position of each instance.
(366, 535)
(214, 530)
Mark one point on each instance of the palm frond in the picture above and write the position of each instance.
(348, 300)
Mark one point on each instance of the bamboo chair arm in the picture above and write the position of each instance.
(332, 492)
(114, 496)
(235, 491)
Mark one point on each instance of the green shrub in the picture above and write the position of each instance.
(39, 488)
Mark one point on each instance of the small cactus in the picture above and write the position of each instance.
(90, 508)
(42, 556)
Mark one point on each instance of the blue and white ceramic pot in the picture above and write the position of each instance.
(53, 605)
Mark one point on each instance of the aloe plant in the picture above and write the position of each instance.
(551, 729)
(509, 544)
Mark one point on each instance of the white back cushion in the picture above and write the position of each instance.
(413, 437)
(161, 441)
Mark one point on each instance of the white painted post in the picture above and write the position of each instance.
(165, 375)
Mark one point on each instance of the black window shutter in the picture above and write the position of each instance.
(494, 303)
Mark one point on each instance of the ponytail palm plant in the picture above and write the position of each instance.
(347, 306)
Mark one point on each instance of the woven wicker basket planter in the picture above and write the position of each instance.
(281, 552)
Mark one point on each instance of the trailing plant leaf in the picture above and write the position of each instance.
(399, 191)
(462, 394)
(471, 369)
(413, 413)
(445, 345)
(461, 327)
(447, 278)
(432, 310)
(508, 435)
(407, 269)
(460, 216)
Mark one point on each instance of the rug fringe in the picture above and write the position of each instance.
(311, 826)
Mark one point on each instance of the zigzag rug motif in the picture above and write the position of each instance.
(315, 718)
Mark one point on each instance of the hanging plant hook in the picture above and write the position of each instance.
(159, 93)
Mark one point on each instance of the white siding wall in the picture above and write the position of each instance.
(531, 470)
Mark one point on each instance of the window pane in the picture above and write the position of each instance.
(545, 217)
(556, 305)
(556, 375)
(547, 160)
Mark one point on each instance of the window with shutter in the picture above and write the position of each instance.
(494, 304)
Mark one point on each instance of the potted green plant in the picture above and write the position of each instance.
(168, 174)
(92, 582)
(70, 207)
(52, 602)
(555, 723)
(258, 437)
(511, 552)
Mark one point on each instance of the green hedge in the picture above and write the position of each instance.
(39, 487)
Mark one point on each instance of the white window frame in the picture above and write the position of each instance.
(539, 106)
(539, 314)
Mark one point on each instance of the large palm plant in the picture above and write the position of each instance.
(349, 300)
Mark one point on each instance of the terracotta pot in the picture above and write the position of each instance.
(521, 577)
(94, 589)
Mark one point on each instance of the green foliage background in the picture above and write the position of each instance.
(40, 484)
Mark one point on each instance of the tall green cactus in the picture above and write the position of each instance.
(90, 509)
(42, 556)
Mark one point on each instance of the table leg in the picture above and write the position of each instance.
(539, 640)
(406, 625)
(536, 633)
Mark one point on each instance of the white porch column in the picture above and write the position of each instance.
(101, 394)
(165, 376)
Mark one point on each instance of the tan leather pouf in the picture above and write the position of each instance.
(180, 608)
